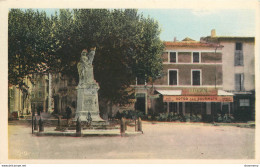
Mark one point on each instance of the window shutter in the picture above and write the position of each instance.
(242, 81)
(237, 82)
(241, 58)
(236, 58)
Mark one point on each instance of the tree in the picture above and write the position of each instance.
(128, 46)
(29, 43)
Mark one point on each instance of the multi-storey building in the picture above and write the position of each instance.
(191, 84)
(238, 72)
(64, 93)
(19, 100)
(39, 93)
(47, 93)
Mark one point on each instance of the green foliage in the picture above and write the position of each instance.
(128, 46)
(29, 44)
(130, 114)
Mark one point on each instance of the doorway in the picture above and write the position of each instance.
(140, 102)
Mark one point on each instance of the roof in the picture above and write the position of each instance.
(189, 44)
(188, 39)
(232, 38)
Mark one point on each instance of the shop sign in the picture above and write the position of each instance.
(198, 98)
(154, 96)
(200, 91)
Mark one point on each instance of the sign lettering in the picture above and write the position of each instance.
(198, 98)
(200, 91)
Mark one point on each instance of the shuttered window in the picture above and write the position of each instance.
(173, 77)
(239, 82)
(196, 77)
(173, 57)
(238, 46)
(196, 57)
(239, 58)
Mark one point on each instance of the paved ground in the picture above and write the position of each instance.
(160, 140)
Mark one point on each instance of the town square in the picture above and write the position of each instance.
(131, 83)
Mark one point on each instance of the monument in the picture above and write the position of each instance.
(87, 96)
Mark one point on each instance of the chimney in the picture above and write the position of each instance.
(174, 40)
(213, 33)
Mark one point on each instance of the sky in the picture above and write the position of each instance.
(196, 23)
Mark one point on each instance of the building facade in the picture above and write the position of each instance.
(19, 100)
(39, 93)
(191, 86)
(64, 94)
(238, 72)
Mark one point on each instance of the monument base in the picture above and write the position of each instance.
(96, 120)
(102, 124)
(83, 116)
(87, 104)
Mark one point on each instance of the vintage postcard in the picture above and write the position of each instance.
(130, 82)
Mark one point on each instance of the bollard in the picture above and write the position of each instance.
(35, 123)
(139, 125)
(32, 124)
(122, 126)
(59, 122)
(41, 127)
(78, 128)
(135, 125)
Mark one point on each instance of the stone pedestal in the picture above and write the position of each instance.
(87, 102)
(87, 96)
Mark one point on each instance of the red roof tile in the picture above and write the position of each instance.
(189, 44)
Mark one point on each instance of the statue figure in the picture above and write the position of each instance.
(85, 68)
(87, 90)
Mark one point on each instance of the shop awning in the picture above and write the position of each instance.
(224, 93)
(169, 92)
(178, 96)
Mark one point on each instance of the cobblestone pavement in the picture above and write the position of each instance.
(159, 141)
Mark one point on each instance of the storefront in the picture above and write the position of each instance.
(207, 103)
(244, 106)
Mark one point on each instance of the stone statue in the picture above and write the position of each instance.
(87, 96)
(85, 68)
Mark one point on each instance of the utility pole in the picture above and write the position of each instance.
(214, 111)
(216, 67)
(215, 103)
